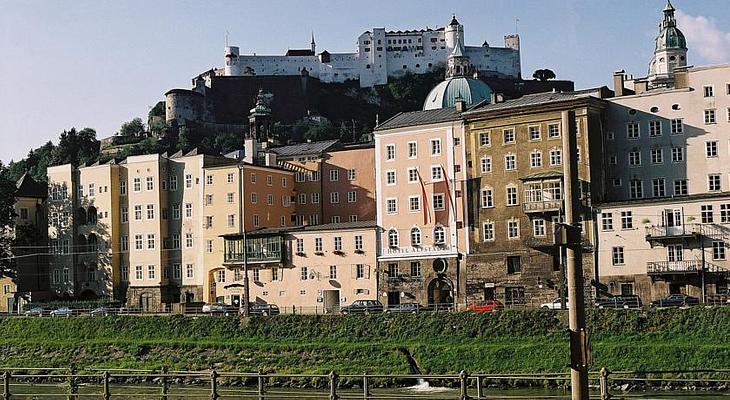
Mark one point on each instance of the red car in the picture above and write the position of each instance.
(486, 306)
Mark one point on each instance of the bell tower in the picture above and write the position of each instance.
(260, 121)
(670, 50)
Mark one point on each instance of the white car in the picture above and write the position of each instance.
(554, 305)
(62, 312)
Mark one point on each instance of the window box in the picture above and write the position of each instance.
(301, 254)
(359, 251)
(319, 253)
(339, 252)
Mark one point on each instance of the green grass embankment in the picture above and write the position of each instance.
(508, 341)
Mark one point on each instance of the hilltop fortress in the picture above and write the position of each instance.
(381, 54)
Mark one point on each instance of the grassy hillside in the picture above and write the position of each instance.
(509, 341)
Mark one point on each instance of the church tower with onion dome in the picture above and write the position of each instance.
(670, 50)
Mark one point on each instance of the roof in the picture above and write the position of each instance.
(528, 100)
(542, 175)
(26, 186)
(300, 52)
(305, 148)
(446, 93)
(423, 117)
(305, 228)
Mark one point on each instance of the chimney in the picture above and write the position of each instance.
(618, 83)
(249, 150)
(460, 106)
(681, 78)
(640, 86)
(271, 160)
(496, 98)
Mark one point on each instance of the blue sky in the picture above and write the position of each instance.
(99, 63)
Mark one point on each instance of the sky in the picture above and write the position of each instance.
(99, 63)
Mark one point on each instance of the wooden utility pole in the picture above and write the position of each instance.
(574, 263)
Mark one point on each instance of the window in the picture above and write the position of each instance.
(188, 181)
(173, 182)
(393, 270)
(390, 152)
(334, 175)
(612, 160)
(415, 236)
(607, 221)
(414, 203)
(231, 220)
(636, 189)
(412, 150)
(438, 202)
(208, 221)
(627, 220)
(488, 231)
(270, 199)
(725, 213)
(315, 198)
(711, 148)
(360, 271)
(334, 197)
(512, 199)
(151, 271)
(487, 199)
(137, 184)
(680, 187)
(556, 157)
(412, 175)
(303, 273)
(513, 229)
(351, 174)
(709, 91)
(188, 240)
(514, 264)
(256, 220)
(534, 132)
(538, 227)
(138, 212)
(318, 245)
(677, 154)
(436, 173)
(484, 139)
(415, 268)
(358, 242)
(92, 192)
(510, 162)
(677, 126)
(508, 135)
(138, 272)
(209, 246)
(150, 211)
(175, 240)
(188, 210)
(713, 182)
(657, 156)
(176, 211)
(338, 243)
(176, 271)
(617, 182)
(617, 255)
(351, 197)
(435, 147)
(150, 241)
(138, 242)
(706, 214)
(125, 214)
(718, 250)
(632, 130)
(390, 177)
(150, 183)
(393, 238)
(554, 130)
(189, 271)
(209, 180)
(535, 159)
(634, 158)
(439, 234)
(710, 116)
(391, 206)
(658, 186)
(123, 188)
(486, 164)
(655, 128)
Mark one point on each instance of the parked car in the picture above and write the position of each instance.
(103, 311)
(555, 304)
(34, 311)
(486, 306)
(406, 308)
(62, 312)
(219, 308)
(676, 300)
(263, 309)
(363, 307)
(624, 301)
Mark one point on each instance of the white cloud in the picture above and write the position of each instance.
(704, 37)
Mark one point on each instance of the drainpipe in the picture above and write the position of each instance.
(244, 304)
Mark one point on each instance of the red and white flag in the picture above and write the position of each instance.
(448, 189)
(425, 199)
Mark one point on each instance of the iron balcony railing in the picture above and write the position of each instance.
(687, 230)
(683, 267)
(542, 206)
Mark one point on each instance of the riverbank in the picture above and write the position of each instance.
(501, 342)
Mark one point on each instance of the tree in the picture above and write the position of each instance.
(134, 127)
(76, 147)
(543, 74)
(7, 222)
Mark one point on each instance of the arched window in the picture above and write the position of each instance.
(439, 235)
(393, 238)
(92, 243)
(91, 215)
(415, 236)
(81, 216)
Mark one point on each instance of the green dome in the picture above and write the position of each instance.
(670, 38)
(445, 94)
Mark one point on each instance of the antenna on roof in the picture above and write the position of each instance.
(517, 20)
(227, 33)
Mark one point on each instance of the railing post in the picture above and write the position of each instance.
(6, 385)
(107, 390)
(73, 387)
(214, 385)
(333, 385)
(165, 383)
(463, 384)
(480, 388)
(603, 383)
(365, 386)
(262, 388)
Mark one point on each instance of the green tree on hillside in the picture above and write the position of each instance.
(76, 147)
(134, 127)
(7, 221)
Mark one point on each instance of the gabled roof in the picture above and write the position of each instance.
(26, 186)
(422, 117)
(526, 101)
(301, 149)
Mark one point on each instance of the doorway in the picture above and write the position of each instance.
(331, 301)
(489, 293)
(146, 302)
(236, 300)
(393, 298)
(439, 292)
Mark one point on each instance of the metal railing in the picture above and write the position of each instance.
(541, 206)
(683, 267)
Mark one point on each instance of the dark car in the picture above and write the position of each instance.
(363, 307)
(406, 308)
(625, 301)
(676, 300)
(263, 309)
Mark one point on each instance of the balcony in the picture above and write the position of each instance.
(259, 250)
(542, 206)
(393, 282)
(656, 268)
(685, 231)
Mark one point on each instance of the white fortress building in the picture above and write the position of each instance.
(381, 54)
